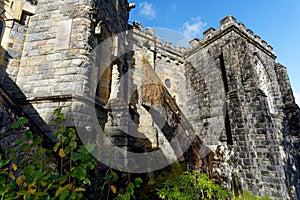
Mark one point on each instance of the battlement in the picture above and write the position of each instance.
(228, 24)
(157, 42)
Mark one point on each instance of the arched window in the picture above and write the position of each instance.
(2, 25)
(104, 65)
(2, 51)
(264, 83)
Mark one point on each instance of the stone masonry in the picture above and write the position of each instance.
(226, 90)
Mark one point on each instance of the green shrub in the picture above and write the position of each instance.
(30, 171)
(248, 196)
(194, 186)
(190, 186)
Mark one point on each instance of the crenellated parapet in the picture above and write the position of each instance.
(148, 39)
(229, 24)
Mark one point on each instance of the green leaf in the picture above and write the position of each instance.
(56, 147)
(28, 171)
(23, 147)
(36, 141)
(39, 173)
(59, 119)
(21, 121)
(23, 161)
(23, 192)
(28, 134)
(19, 141)
(137, 182)
(60, 131)
(40, 194)
(73, 145)
(77, 156)
(63, 139)
(79, 189)
(126, 196)
(67, 150)
(79, 172)
(107, 175)
(47, 174)
(89, 164)
(60, 190)
(57, 111)
(2, 180)
(119, 197)
(130, 188)
(87, 181)
(115, 176)
(72, 133)
(4, 162)
(64, 194)
(87, 149)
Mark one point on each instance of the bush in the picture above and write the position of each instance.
(30, 171)
(190, 186)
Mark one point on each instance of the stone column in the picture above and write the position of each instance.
(115, 83)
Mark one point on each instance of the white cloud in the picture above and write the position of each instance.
(297, 97)
(147, 10)
(192, 29)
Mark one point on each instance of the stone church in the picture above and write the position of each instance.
(222, 104)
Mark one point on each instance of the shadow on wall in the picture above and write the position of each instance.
(291, 141)
(11, 109)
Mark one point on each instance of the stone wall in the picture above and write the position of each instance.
(55, 67)
(252, 117)
(226, 88)
(290, 137)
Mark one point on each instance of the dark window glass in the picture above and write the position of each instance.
(1, 27)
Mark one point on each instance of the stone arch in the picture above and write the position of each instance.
(2, 50)
(2, 25)
(4, 32)
(263, 80)
(104, 62)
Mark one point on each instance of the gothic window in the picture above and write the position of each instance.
(1, 28)
(104, 65)
(2, 51)
(263, 83)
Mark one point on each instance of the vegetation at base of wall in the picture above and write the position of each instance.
(68, 171)
(190, 186)
(30, 171)
(156, 180)
(248, 196)
(195, 185)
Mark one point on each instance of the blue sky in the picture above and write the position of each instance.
(275, 21)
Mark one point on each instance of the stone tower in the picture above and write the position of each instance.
(225, 90)
(46, 60)
(242, 91)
